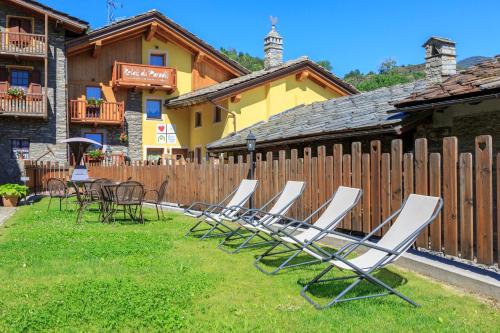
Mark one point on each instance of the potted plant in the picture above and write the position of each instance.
(94, 107)
(123, 137)
(15, 92)
(95, 155)
(11, 193)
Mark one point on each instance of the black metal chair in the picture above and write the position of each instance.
(159, 196)
(130, 195)
(59, 190)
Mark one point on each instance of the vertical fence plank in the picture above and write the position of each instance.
(408, 175)
(375, 155)
(450, 209)
(365, 180)
(337, 166)
(484, 199)
(498, 206)
(357, 223)
(421, 181)
(385, 189)
(294, 176)
(396, 174)
(322, 184)
(435, 190)
(466, 207)
(307, 179)
(346, 181)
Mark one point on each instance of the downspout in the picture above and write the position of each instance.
(231, 113)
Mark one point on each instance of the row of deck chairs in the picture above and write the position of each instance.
(269, 226)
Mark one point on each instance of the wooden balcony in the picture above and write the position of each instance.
(22, 44)
(30, 105)
(140, 76)
(108, 113)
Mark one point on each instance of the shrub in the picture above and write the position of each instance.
(13, 190)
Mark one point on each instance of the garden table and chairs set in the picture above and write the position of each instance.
(109, 196)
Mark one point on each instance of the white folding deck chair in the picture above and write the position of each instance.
(254, 219)
(416, 213)
(214, 215)
(297, 242)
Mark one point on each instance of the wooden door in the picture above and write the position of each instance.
(17, 26)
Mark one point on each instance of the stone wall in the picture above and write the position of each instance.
(41, 133)
(133, 124)
(464, 121)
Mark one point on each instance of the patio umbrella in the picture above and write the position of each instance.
(78, 146)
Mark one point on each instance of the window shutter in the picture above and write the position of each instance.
(4, 74)
(35, 76)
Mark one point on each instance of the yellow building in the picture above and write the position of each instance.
(167, 92)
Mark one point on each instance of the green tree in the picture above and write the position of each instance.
(325, 64)
(246, 60)
(387, 65)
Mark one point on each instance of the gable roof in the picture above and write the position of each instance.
(477, 81)
(138, 24)
(361, 114)
(238, 84)
(70, 22)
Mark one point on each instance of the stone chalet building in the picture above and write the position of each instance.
(464, 104)
(33, 83)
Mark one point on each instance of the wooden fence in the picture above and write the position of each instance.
(467, 227)
(39, 173)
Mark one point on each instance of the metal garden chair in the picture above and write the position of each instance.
(306, 240)
(255, 221)
(214, 215)
(59, 190)
(129, 195)
(416, 213)
(82, 200)
(159, 196)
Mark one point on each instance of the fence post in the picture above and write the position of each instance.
(450, 218)
(484, 198)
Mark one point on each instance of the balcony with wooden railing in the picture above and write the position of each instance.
(105, 113)
(28, 105)
(140, 76)
(23, 44)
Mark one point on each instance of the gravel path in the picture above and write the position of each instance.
(5, 213)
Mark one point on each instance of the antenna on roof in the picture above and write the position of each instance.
(112, 5)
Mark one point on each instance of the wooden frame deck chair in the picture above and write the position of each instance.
(416, 213)
(254, 220)
(214, 215)
(297, 241)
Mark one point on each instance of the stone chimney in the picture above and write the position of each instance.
(440, 59)
(273, 47)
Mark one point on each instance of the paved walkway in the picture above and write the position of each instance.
(5, 213)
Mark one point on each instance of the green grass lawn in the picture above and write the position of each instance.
(58, 276)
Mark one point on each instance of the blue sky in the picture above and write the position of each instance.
(350, 34)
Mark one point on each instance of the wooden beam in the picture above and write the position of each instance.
(153, 28)
(97, 49)
(301, 76)
(199, 58)
(236, 98)
(46, 68)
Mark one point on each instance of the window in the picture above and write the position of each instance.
(157, 59)
(93, 92)
(20, 25)
(197, 119)
(20, 149)
(217, 114)
(99, 137)
(153, 109)
(19, 78)
(154, 154)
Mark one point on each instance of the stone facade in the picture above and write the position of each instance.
(464, 121)
(440, 59)
(41, 133)
(133, 123)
